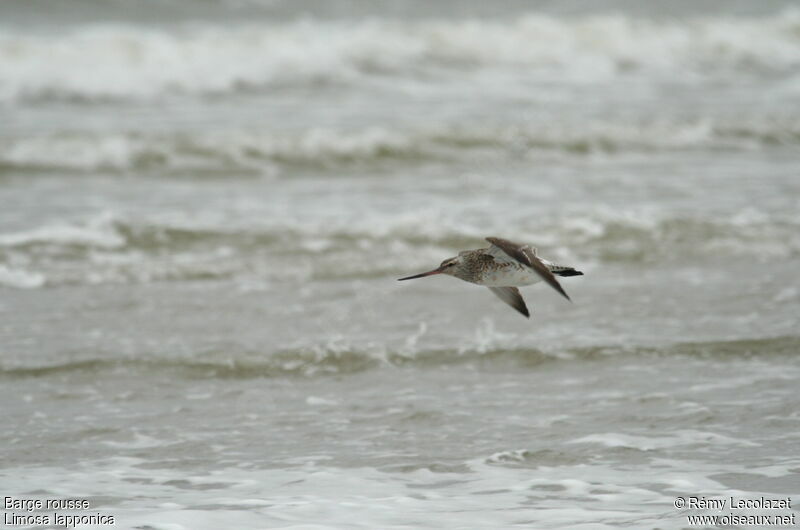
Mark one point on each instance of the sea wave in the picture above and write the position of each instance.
(19, 278)
(243, 152)
(122, 62)
(332, 360)
(115, 249)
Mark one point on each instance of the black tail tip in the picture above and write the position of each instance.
(570, 272)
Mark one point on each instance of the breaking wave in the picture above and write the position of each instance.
(122, 62)
(327, 360)
(259, 152)
(109, 249)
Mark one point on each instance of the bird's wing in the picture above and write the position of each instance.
(511, 296)
(525, 255)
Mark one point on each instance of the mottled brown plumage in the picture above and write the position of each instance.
(503, 267)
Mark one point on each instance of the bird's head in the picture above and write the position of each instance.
(449, 266)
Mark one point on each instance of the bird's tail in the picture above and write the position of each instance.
(559, 270)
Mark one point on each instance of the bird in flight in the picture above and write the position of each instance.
(502, 268)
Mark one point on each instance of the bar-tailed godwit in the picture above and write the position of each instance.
(503, 267)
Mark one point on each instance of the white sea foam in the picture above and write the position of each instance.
(597, 495)
(237, 150)
(98, 231)
(105, 248)
(320, 401)
(647, 443)
(104, 61)
(20, 279)
(264, 152)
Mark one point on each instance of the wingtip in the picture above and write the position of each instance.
(560, 290)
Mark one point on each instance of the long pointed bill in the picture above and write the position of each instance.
(422, 275)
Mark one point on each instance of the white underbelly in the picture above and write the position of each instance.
(511, 277)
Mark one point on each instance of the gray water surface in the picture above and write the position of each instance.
(204, 207)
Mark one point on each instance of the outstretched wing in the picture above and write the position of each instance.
(526, 256)
(511, 296)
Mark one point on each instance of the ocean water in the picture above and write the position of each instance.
(204, 206)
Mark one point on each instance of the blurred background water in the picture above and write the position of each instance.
(204, 205)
